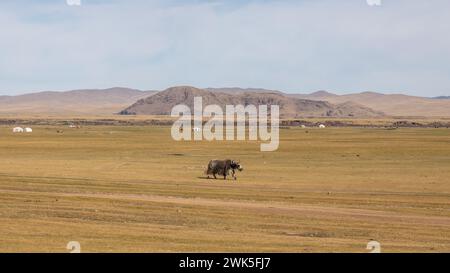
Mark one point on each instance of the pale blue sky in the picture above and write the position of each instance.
(300, 46)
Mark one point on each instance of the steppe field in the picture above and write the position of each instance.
(134, 189)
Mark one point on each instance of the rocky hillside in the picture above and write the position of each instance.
(162, 103)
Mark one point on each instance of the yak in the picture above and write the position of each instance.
(223, 167)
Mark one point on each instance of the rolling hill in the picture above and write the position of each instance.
(394, 105)
(87, 101)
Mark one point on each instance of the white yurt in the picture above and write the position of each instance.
(18, 130)
(28, 130)
(321, 126)
(303, 126)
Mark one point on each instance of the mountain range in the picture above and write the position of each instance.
(132, 101)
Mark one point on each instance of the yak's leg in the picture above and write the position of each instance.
(224, 177)
(214, 176)
(234, 175)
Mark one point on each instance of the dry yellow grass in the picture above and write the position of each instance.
(134, 189)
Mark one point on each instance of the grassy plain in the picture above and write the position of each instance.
(134, 189)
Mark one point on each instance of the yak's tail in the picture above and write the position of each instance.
(206, 171)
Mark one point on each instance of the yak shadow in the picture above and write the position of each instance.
(212, 178)
(204, 177)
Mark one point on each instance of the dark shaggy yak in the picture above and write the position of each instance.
(223, 167)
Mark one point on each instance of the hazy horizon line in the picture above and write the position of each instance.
(15, 94)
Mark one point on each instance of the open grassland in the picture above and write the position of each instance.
(134, 189)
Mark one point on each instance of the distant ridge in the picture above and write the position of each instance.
(320, 94)
(162, 103)
(442, 98)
